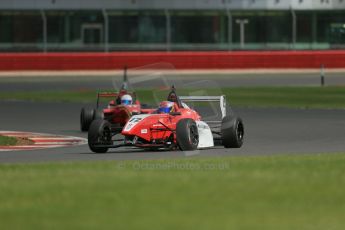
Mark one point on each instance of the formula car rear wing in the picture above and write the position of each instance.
(105, 95)
(220, 99)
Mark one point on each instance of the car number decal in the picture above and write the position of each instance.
(132, 122)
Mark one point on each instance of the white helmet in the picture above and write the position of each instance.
(126, 99)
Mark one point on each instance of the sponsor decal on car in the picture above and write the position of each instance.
(143, 131)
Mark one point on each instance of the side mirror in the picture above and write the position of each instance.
(175, 113)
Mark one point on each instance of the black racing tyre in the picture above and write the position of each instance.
(99, 134)
(98, 114)
(232, 132)
(86, 117)
(187, 134)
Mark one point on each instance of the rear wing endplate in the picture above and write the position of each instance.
(220, 99)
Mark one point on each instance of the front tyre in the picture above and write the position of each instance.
(99, 134)
(232, 132)
(187, 134)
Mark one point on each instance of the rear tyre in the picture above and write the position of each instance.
(98, 114)
(232, 132)
(187, 134)
(99, 134)
(86, 117)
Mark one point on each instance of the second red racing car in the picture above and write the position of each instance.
(122, 105)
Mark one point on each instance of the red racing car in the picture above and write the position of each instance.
(118, 110)
(174, 125)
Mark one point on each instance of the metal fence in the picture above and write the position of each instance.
(169, 30)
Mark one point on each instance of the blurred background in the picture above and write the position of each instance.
(168, 25)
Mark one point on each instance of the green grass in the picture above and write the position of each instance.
(271, 192)
(7, 141)
(290, 97)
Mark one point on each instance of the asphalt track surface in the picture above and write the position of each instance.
(267, 131)
(157, 79)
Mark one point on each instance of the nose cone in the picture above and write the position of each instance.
(135, 123)
(140, 125)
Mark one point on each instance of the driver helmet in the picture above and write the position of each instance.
(126, 99)
(166, 107)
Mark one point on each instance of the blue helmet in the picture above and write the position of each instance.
(166, 107)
